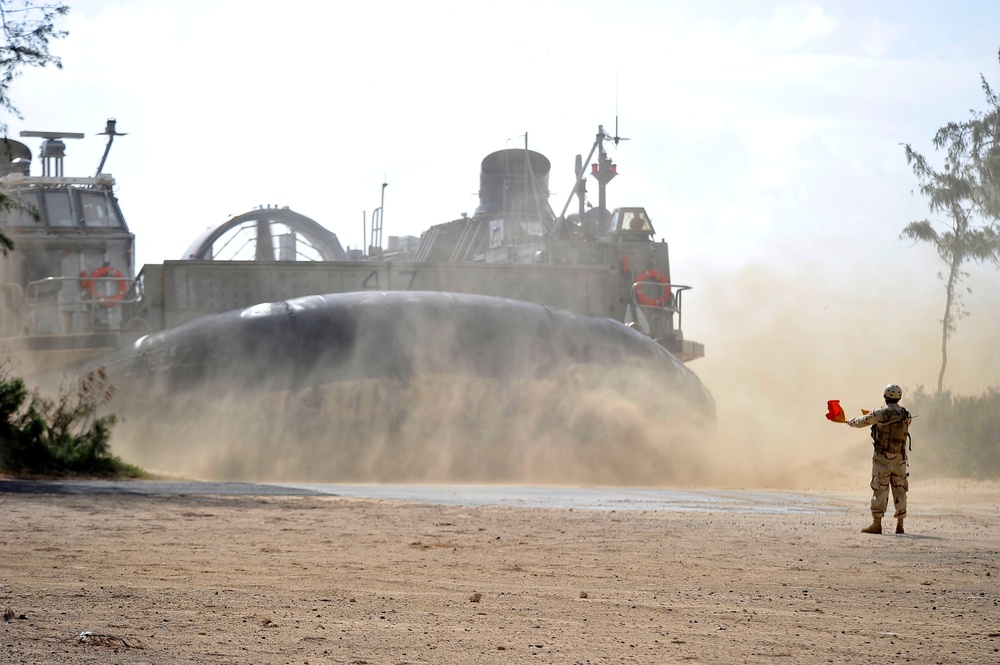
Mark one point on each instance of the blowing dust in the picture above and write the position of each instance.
(584, 424)
(782, 339)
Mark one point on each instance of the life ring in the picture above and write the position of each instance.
(91, 286)
(651, 275)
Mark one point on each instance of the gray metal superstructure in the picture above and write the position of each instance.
(70, 291)
(66, 285)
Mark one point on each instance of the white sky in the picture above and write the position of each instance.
(765, 138)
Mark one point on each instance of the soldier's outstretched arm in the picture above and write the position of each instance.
(866, 420)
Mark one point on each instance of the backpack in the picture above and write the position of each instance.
(895, 434)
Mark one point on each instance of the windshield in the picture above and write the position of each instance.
(97, 210)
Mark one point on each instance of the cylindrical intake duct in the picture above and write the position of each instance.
(514, 182)
(15, 157)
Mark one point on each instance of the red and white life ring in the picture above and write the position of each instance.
(642, 281)
(90, 285)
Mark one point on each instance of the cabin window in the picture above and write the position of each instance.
(58, 209)
(98, 211)
(614, 224)
(26, 216)
(637, 222)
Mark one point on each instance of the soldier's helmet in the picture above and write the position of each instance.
(892, 391)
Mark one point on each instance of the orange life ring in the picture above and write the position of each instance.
(91, 286)
(652, 276)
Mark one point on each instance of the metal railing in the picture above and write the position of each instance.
(90, 310)
(669, 301)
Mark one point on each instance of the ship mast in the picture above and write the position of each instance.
(111, 133)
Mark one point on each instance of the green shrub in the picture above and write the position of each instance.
(57, 437)
(957, 435)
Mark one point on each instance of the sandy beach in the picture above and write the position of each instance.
(209, 579)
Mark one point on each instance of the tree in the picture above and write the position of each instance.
(27, 29)
(978, 140)
(967, 193)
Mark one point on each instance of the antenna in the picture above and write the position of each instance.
(616, 138)
(376, 241)
(616, 106)
(53, 150)
(111, 133)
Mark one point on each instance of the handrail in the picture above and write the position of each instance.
(31, 295)
(671, 305)
(85, 304)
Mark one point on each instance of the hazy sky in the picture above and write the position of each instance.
(765, 142)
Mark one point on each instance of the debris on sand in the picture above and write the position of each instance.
(103, 640)
(9, 615)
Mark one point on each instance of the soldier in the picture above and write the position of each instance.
(890, 425)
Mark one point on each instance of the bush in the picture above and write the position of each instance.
(957, 435)
(57, 437)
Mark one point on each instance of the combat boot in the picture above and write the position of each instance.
(874, 527)
(899, 525)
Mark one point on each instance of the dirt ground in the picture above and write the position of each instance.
(140, 579)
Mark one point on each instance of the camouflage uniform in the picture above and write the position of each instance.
(891, 423)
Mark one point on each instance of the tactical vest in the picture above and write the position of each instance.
(890, 437)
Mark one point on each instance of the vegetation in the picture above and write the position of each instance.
(62, 436)
(959, 436)
(966, 192)
(956, 436)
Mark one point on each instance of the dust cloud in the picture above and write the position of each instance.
(409, 387)
(784, 337)
(584, 424)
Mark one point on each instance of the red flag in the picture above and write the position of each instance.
(834, 412)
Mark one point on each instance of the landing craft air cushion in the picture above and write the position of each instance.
(314, 340)
(516, 290)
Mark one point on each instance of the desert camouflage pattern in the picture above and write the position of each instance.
(889, 463)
